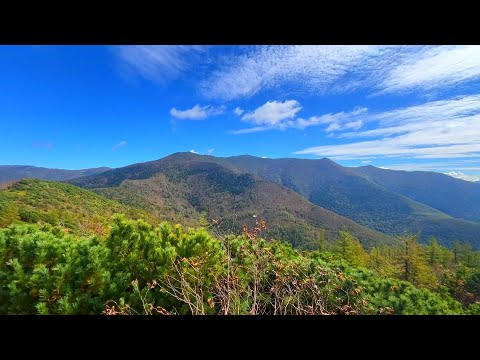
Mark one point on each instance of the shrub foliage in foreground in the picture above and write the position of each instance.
(142, 269)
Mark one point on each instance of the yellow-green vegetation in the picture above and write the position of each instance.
(144, 269)
(76, 210)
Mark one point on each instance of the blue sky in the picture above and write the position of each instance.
(399, 107)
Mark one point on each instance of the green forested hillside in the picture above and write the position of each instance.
(142, 269)
(343, 191)
(76, 210)
(182, 188)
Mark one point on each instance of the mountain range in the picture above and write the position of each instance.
(16, 172)
(302, 200)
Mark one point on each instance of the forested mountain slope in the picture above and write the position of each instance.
(343, 191)
(77, 210)
(182, 187)
(455, 197)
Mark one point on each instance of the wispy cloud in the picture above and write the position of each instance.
(158, 63)
(245, 71)
(470, 165)
(460, 175)
(341, 69)
(238, 111)
(193, 151)
(440, 129)
(264, 67)
(434, 67)
(210, 151)
(197, 112)
(120, 145)
(337, 126)
(250, 130)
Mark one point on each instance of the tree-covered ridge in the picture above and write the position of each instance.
(344, 191)
(141, 268)
(76, 210)
(379, 205)
(452, 196)
(181, 187)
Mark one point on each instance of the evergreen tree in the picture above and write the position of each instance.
(381, 261)
(351, 250)
(413, 264)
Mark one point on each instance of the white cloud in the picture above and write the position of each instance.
(434, 67)
(439, 166)
(281, 115)
(210, 151)
(242, 72)
(238, 111)
(440, 129)
(273, 113)
(120, 145)
(264, 157)
(337, 126)
(460, 175)
(312, 68)
(197, 112)
(354, 125)
(342, 69)
(158, 62)
(366, 161)
(250, 130)
(193, 151)
(334, 126)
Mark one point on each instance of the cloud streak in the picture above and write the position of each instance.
(440, 129)
(120, 145)
(238, 111)
(341, 69)
(264, 67)
(197, 112)
(244, 72)
(434, 67)
(158, 63)
(241, 72)
(463, 176)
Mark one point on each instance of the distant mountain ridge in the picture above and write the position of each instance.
(324, 183)
(17, 172)
(455, 197)
(182, 185)
(349, 193)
